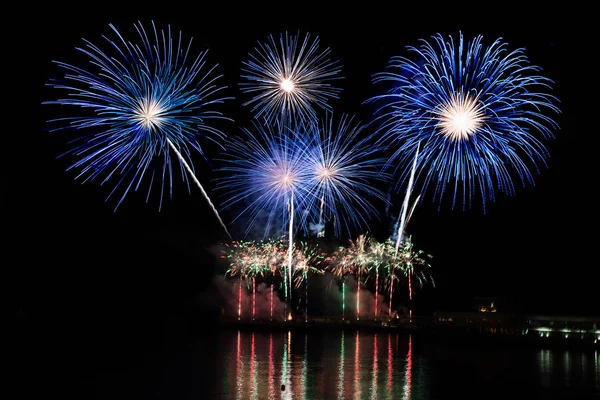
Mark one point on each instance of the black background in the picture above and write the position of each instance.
(78, 270)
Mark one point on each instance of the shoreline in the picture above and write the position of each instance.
(478, 335)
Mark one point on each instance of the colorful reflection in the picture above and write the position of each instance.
(390, 367)
(271, 379)
(375, 370)
(357, 366)
(340, 385)
(253, 383)
(267, 365)
(304, 367)
(408, 371)
(383, 365)
(239, 368)
(286, 381)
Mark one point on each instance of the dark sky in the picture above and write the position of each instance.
(73, 255)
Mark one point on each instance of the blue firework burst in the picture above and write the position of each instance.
(265, 177)
(135, 101)
(343, 168)
(480, 115)
(289, 78)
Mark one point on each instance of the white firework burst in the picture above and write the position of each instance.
(289, 78)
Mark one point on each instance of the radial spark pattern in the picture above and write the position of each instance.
(134, 100)
(480, 114)
(263, 172)
(343, 168)
(289, 78)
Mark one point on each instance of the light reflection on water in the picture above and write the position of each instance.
(361, 365)
(357, 362)
(597, 369)
(368, 365)
(340, 382)
(568, 369)
(375, 374)
(545, 367)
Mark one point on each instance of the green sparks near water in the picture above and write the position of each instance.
(376, 265)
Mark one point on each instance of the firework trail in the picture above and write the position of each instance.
(275, 255)
(185, 164)
(413, 264)
(307, 259)
(253, 297)
(341, 169)
(261, 169)
(237, 262)
(402, 223)
(240, 299)
(340, 263)
(392, 267)
(265, 168)
(134, 101)
(357, 256)
(290, 242)
(366, 257)
(378, 254)
(289, 78)
(478, 113)
(366, 254)
(249, 260)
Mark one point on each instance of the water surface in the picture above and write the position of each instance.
(236, 364)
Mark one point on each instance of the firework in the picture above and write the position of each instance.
(306, 259)
(136, 101)
(260, 260)
(275, 257)
(266, 171)
(366, 255)
(365, 258)
(368, 258)
(233, 254)
(413, 263)
(341, 169)
(340, 263)
(478, 113)
(392, 267)
(357, 257)
(249, 261)
(262, 169)
(360, 257)
(378, 253)
(289, 77)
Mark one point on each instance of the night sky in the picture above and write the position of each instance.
(74, 259)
